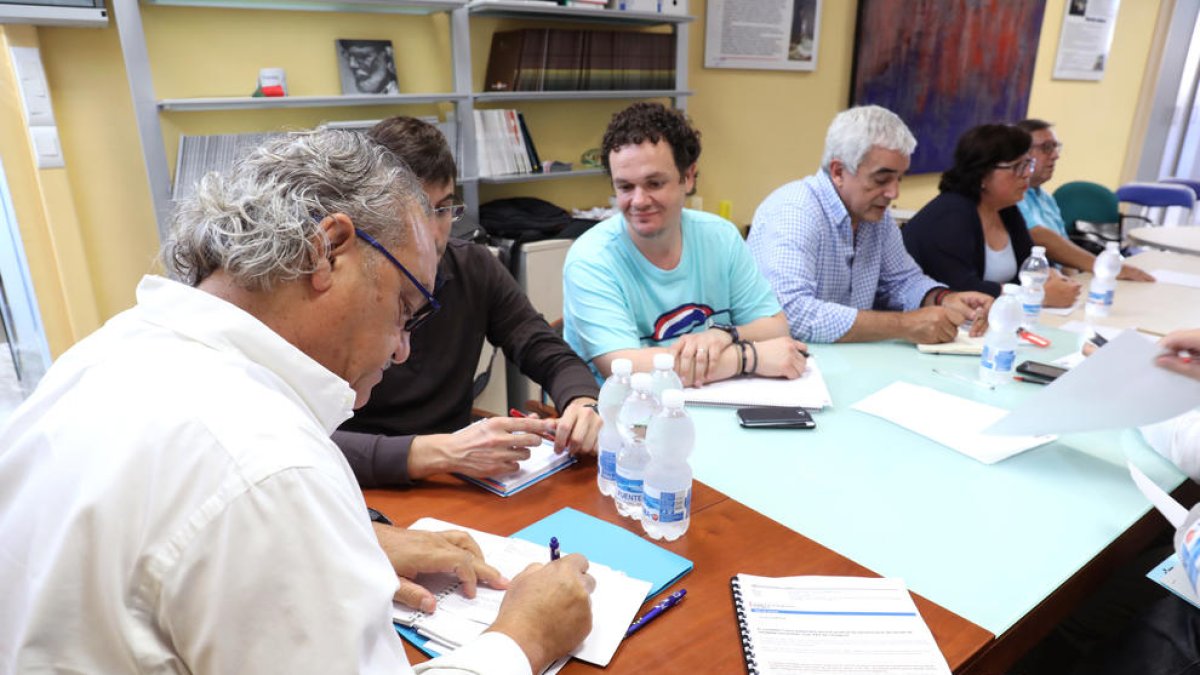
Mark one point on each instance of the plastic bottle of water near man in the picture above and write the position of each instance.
(635, 417)
(664, 376)
(612, 396)
(1033, 275)
(1104, 281)
(1000, 344)
(667, 490)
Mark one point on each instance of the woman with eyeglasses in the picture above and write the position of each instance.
(972, 237)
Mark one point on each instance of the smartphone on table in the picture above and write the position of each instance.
(775, 417)
(1041, 371)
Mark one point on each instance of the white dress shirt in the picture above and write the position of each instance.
(170, 502)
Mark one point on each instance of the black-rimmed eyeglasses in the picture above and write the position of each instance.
(431, 305)
(454, 212)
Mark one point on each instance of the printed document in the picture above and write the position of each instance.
(955, 422)
(1117, 387)
(458, 620)
(799, 625)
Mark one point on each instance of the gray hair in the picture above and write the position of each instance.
(854, 132)
(259, 221)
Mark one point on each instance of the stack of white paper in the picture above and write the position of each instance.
(806, 391)
(459, 620)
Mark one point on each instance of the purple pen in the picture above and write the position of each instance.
(672, 600)
(553, 549)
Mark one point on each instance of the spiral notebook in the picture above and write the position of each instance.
(811, 624)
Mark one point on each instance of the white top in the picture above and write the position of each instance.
(1178, 439)
(170, 502)
(999, 266)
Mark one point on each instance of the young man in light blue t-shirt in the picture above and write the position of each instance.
(657, 278)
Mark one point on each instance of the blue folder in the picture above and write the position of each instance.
(605, 543)
(598, 541)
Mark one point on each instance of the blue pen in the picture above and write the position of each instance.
(553, 549)
(672, 600)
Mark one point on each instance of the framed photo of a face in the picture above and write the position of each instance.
(367, 67)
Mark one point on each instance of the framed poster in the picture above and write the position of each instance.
(1086, 37)
(945, 67)
(762, 34)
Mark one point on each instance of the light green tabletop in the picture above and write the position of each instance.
(987, 542)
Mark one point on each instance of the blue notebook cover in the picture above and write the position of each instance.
(597, 540)
(606, 543)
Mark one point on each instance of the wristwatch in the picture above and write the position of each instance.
(727, 327)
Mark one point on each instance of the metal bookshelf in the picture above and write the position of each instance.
(148, 109)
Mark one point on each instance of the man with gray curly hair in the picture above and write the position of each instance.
(170, 500)
(834, 256)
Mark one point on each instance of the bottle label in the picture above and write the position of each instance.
(1032, 309)
(1097, 297)
(666, 507)
(1189, 552)
(1000, 361)
(629, 490)
(608, 465)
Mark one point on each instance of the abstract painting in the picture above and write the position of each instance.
(945, 66)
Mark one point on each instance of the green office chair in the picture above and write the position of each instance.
(1091, 214)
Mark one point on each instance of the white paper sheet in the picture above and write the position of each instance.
(1176, 278)
(952, 421)
(806, 391)
(1172, 510)
(799, 625)
(1117, 387)
(615, 601)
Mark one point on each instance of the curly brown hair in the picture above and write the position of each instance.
(652, 122)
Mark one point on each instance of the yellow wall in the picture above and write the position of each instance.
(760, 128)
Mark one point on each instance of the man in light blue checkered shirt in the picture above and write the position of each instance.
(834, 256)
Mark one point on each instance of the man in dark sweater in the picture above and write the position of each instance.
(416, 423)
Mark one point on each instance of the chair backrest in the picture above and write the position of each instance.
(1194, 185)
(1082, 200)
(1155, 198)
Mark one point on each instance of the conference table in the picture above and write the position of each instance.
(1181, 239)
(995, 555)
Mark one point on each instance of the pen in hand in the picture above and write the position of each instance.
(672, 600)
(554, 549)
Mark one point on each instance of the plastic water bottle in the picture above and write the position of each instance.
(612, 396)
(1033, 275)
(664, 376)
(667, 498)
(1000, 343)
(639, 408)
(1104, 281)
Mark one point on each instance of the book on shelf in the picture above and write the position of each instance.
(541, 59)
(200, 155)
(503, 144)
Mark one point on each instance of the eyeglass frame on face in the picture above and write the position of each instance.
(455, 211)
(431, 305)
(1048, 147)
(1024, 167)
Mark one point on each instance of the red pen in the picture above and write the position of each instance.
(1030, 380)
(513, 412)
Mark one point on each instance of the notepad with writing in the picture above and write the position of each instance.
(814, 624)
(806, 391)
(459, 619)
(543, 462)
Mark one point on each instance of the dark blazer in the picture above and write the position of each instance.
(946, 240)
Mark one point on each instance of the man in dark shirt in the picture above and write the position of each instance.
(416, 423)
